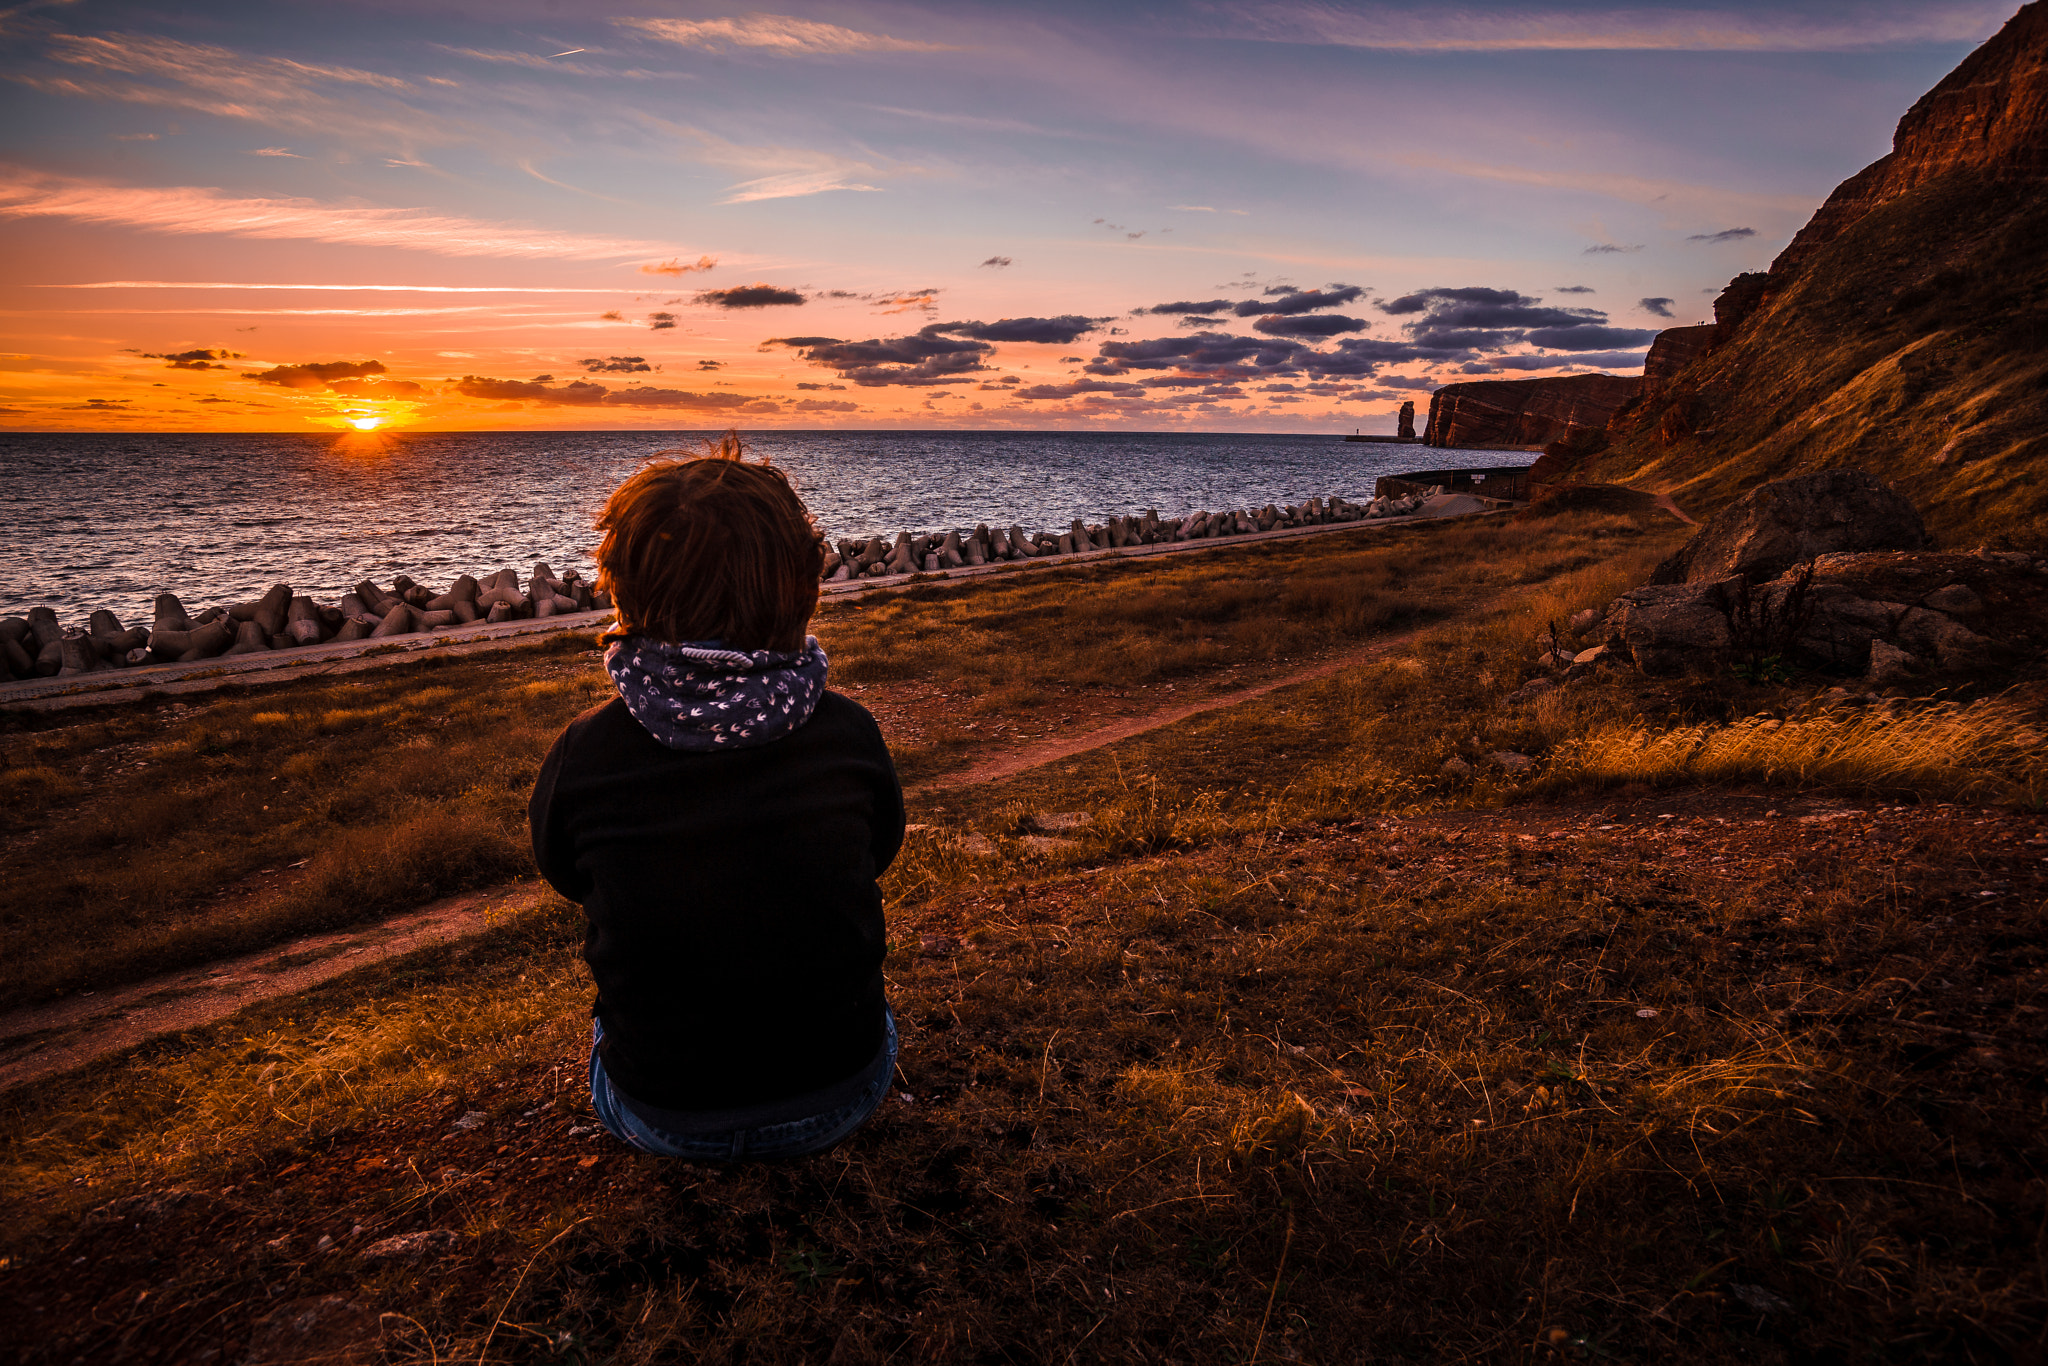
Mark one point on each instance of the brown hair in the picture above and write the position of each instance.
(710, 547)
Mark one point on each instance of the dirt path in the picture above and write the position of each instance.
(1016, 761)
(40, 1041)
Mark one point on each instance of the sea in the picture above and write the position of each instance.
(110, 520)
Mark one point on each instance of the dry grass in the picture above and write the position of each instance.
(1298, 1052)
(1990, 750)
(1328, 1091)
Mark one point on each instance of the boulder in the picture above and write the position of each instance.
(1771, 528)
(1889, 664)
(1667, 628)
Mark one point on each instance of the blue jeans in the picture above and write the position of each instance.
(737, 1139)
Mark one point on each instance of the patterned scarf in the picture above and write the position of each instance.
(700, 697)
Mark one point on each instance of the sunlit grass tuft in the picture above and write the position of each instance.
(1988, 750)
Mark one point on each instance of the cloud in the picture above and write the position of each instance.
(1324, 325)
(1576, 289)
(614, 365)
(1064, 330)
(190, 209)
(315, 375)
(376, 388)
(583, 394)
(660, 322)
(275, 92)
(275, 152)
(192, 360)
(997, 262)
(825, 405)
(611, 315)
(832, 388)
(1659, 306)
(915, 361)
(1185, 306)
(777, 34)
(1075, 388)
(1589, 338)
(749, 296)
(1602, 360)
(1610, 249)
(1284, 299)
(1725, 235)
(710, 365)
(675, 265)
(1785, 29)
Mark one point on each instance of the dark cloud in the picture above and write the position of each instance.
(1455, 323)
(192, 360)
(216, 400)
(614, 365)
(1064, 330)
(832, 388)
(583, 394)
(376, 388)
(1725, 235)
(1076, 388)
(316, 375)
(611, 315)
(1203, 320)
(660, 322)
(1281, 299)
(710, 365)
(1599, 360)
(1590, 338)
(1205, 306)
(825, 405)
(1659, 306)
(1073, 360)
(1202, 352)
(1322, 325)
(1610, 249)
(918, 360)
(997, 262)
(1575, 289)
(749, 296)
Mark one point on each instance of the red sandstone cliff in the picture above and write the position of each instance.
(1518, 414)
(1903, 330)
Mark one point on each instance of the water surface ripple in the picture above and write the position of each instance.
(108, 520)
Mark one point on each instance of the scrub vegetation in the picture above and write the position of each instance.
(1712, 1034)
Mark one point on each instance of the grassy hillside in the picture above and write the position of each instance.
(1914, 345)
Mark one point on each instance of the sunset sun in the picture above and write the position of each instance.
(365, 424)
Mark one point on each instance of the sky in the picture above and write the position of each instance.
(579, 214)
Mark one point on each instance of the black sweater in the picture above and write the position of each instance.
(735, 929)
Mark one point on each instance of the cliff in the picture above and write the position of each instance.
(1516, 414)
(1903, 330)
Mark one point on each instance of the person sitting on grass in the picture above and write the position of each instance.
(723, 821)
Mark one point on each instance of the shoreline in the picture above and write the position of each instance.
(140, 683)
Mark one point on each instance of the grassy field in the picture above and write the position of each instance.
(1712, 1035)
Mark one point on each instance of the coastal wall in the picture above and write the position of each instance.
(1524, 414)
(39, 645)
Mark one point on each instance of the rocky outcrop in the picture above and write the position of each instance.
(1900, 331)
(1524, 414)
(1675, 349)
(1406, 426)
(1894, 617)
(1990, 114)
(1776, 526)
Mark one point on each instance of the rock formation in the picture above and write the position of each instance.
(1524, 414)
(1903, 330)
(1771, 528)
(1406, 426)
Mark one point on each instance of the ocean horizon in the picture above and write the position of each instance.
(110, 520)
